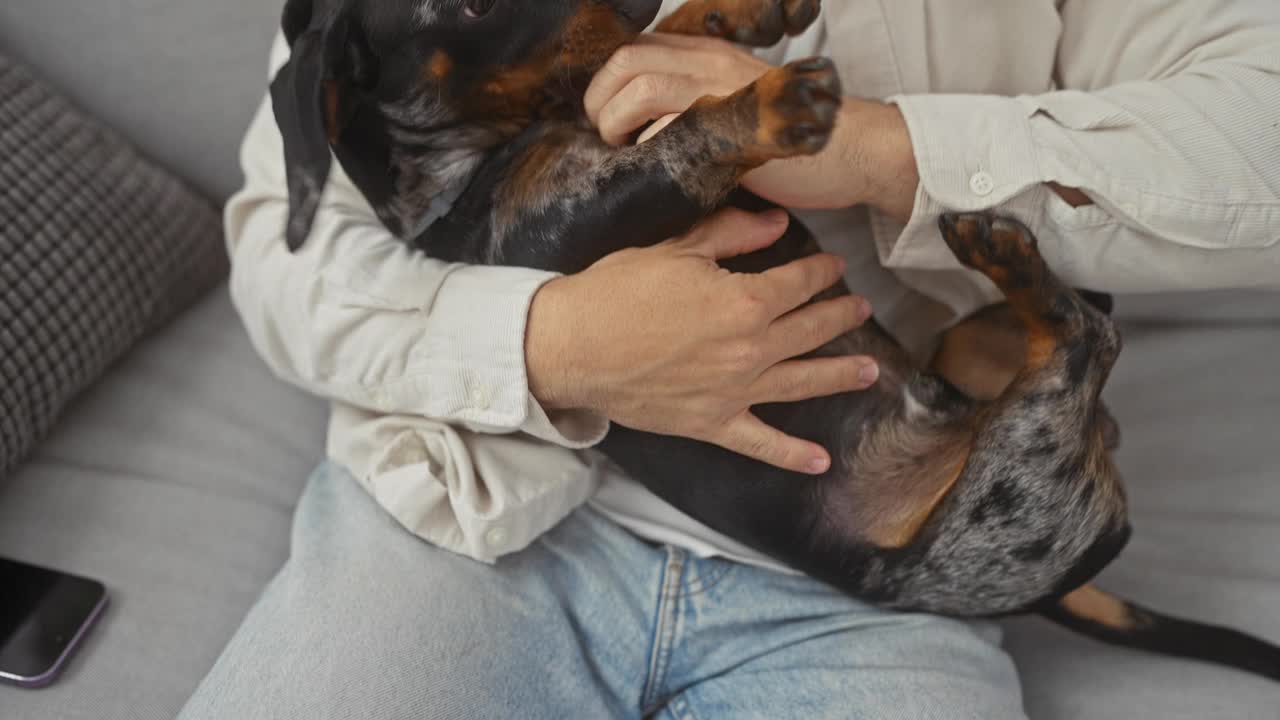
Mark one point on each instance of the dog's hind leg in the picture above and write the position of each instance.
(1034, 507)
(982, 354)
(1048, 412)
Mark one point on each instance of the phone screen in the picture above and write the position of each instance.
(43, 616)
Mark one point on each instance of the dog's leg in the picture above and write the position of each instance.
(982, 354)
(1020, 500)
(759, 23)
(569, 187)
(1038, 488)
(789, 112)
(1068, 344)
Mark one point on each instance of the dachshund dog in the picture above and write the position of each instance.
(936, 500)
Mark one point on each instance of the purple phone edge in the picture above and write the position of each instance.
(46, 678)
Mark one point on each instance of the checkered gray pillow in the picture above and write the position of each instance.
(97, 246)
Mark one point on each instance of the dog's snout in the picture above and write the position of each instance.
(637, 13)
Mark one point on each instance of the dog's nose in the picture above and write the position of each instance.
(638, 14)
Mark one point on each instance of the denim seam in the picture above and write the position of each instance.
(665, 626)
(705, 583)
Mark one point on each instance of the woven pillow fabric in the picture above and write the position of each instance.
(97, 247)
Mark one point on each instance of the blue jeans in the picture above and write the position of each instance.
(367, 621)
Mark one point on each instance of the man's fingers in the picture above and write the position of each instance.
(748, 435)
(789, 286)
(732, 232)
(645, 98)
(797, 380)
(631, 62)
(813, 326)
(693, 42)
(657, 127)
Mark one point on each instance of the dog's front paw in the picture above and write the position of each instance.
(797, 107)
(759, 23)
(770, 21)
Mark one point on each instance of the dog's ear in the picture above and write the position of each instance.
(311, 96)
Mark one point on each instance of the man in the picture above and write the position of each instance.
(1138, 140)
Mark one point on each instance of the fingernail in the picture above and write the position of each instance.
(864, 311)
(818, 465)
(869, 373)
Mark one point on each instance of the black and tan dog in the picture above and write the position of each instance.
(937, 500)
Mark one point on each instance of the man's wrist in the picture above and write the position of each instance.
(880, 156)
(547, 348)
(886, 174)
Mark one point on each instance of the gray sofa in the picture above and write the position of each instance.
(174, 478)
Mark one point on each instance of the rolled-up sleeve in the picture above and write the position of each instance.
(1169, 120)
(358, 317)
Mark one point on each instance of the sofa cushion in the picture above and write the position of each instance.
(180, 78)
(97, 247)
(173, 482)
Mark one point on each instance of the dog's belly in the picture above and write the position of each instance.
(864, 526)
(786, 515)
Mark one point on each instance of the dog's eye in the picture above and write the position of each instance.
(476, 9)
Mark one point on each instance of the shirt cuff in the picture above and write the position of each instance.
(479, 321)
(973, 152)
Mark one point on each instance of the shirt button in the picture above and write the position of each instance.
(481, 398)
(496, 537)
(982, 183)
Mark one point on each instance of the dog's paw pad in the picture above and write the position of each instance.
(801, 14)
(762, 23)
(716, 24)
(798, 106)
(1000, 248)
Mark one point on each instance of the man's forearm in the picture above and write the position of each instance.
(878, 151)
(881, 158)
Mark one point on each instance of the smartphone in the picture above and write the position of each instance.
(44, 616)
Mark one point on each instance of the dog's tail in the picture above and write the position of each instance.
(1111, 619)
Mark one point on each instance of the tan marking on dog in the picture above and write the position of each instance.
(772, 123)
(902, 524)
(1042, 344)
(439, 66)
(982, 354)
(584, 45)
(1100, 607)
(513, 91)
(332, 111)
(901, 474)
(592, 36)
(529, 179)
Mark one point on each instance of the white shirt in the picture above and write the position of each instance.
(1165, 112)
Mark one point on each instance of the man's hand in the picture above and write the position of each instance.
(868, 160)
(664, 340)
(660, 75)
